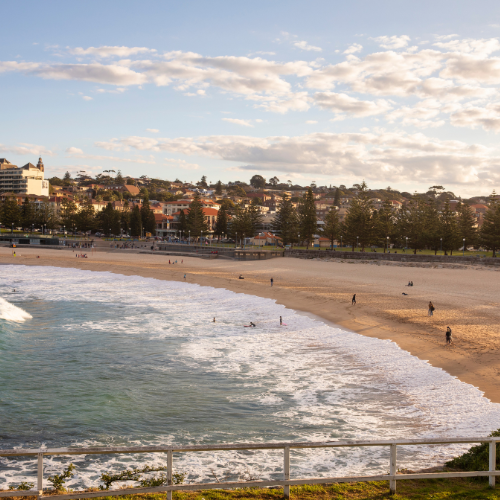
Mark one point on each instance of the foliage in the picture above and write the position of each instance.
(135, 222)
(147, 216)
(58, 480)
(196, 222)
(490, 230)
(68, 213)
(182, 222)
(218, 188)
(28, 213)
(331, 229)
(203, 182)
(23, 486)
(359, 224)
(258, 182)
(11, 214)
(308, 223)
(336, 199)
(137, 475)
(477, 458)
(119, 180)
(286, 221)
(85, 218)
(221, 224)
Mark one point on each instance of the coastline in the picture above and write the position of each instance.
(463, 299)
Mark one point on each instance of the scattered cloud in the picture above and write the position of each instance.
(182, 164)
(78, 153)
(237, 121)
(303, 45)
(110, 51)
(27, 149)
(353, 49)
(311, 122)
(152, 130)
(343, 103)
(87, 98)
(392, 42)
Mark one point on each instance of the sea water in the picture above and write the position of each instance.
(100, 359)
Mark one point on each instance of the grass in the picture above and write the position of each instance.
(449, 489)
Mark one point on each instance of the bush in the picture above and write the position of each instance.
(477, 458)
(58, 480)
(23, 486)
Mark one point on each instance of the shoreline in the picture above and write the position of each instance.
(324, 290)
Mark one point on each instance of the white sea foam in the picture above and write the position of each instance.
(309, 381)
(10, 312)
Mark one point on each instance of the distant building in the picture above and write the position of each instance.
(23, 180)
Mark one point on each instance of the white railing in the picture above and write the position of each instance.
(286, 482)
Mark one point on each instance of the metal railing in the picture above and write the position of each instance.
(286, 482)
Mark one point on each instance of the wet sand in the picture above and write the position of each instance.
(466, 299)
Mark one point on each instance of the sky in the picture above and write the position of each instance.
(397, 93)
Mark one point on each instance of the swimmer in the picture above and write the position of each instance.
(213, 321)
(252, 324)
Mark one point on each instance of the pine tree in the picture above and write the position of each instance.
(384, 225)
(490, 230)
(11, 213)
(411, 223)
(119, 180)
(85, 218)
(467, 224)
(222, 222)
(448, 229)
(196, 220)
(308, 222)
(135, 222)
(241, 225)
(68, 213)
(28, 214)
(182, 222)
(286, 223)
(254, 219)
(46, 215)
(359, 224)
(218, 188)
(331, 228)
(147, 216)
(336, 199)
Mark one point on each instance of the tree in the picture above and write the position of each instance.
(203, 182)
(119, 180)
(286, 222)
(308, 222)
(46, 215)
(227, 204)
(359, 224)
(448, 229)
(109, 219)
(258, 182)
(11, 213)
(336, 199)
(147, 216)
(240, 224)
(254, 219)
(384, 225)
(222, 222)
(490, 230)
(331, 228)
(196, 220)
(218, 188)
(68, 213)
(274, 181)
(85, 218)
(67, 179)
(467, 224)
(28, 213)
(182, 222)
(135, 222)
(412, 221)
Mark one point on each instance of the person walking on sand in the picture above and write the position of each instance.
(430, 312)
(213, 321)
(281, 321)
(448, 335)
(354, 300)
(272, 281)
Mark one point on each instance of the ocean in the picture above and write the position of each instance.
(95, 358)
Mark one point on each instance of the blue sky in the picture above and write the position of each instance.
(397, 93)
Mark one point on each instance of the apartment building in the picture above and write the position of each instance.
(23, 180)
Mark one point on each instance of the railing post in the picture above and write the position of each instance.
(493, 461)
(286, 471)
(169, 472)
(39, 485)
(393, 469)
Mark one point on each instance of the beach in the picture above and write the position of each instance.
(465, 299)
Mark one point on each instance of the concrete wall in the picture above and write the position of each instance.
(395, 257)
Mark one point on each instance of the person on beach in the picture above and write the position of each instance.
(430, 312)
(213, 321)
(354, 300)
(272, 281)
(184, 276)
(281, 321)
(448, 335)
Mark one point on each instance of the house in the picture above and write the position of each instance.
(130, 189)
(23, 180)
(210, 214)
(163, 223)
(266, 239)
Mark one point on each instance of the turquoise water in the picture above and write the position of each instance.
(92, 358)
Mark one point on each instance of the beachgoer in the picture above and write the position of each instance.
(411, 283)
(169, 261)
(272, 281)
(431, 309)
(182, 261)
(252, 324)
(241, 277)
(213, 321)
(448, 335)
(281, 321)
(184, 276)
(354, 299)
(404, 293)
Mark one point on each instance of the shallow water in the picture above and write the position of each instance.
(92, 358)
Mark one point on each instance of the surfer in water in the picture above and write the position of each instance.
(281, 321)
(213, 321)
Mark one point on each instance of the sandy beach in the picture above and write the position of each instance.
(466, 299)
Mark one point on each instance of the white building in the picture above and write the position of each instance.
(23, 180)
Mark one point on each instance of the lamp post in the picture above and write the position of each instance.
(387, 245)
(357, 241)
(463, 249)
(406, 243)
(236, 241)
(341, 245)
(12, 228)
(130, 233)
(441, 244)
(189, 240)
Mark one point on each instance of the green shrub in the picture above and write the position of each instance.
(477, 458)
(58, 480)
(23, 486)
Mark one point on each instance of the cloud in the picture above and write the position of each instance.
(152, 130)
(392, 42)
(381, 157)
(311, 122)
(27, 149)
(342, 103)
(356, 47)
(87, 98)
(487, 117)
(183, 164)
(109, 51)
(444, 37)
(237, 121)
(303, 45)
(298, 101)
(78, 153)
